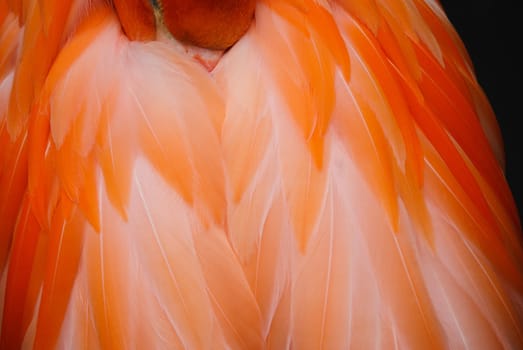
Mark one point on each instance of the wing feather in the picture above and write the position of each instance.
(335, 182)
(24, 277)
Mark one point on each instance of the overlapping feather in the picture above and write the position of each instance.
(335, 182)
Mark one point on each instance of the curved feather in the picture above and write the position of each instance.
(335, 181)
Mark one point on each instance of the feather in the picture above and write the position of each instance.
(335, 181)
(24, 278)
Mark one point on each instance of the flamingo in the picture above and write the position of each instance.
(241, 174)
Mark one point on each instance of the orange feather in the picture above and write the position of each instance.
(331, 179)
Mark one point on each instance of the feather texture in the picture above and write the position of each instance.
(336, 181)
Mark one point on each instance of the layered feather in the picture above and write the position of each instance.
(336, 181)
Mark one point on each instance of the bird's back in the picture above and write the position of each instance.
(335, 181)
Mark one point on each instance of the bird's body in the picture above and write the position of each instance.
(335, 181)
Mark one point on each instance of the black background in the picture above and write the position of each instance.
(492, 31)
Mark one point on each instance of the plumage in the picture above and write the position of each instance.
(334, 179)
